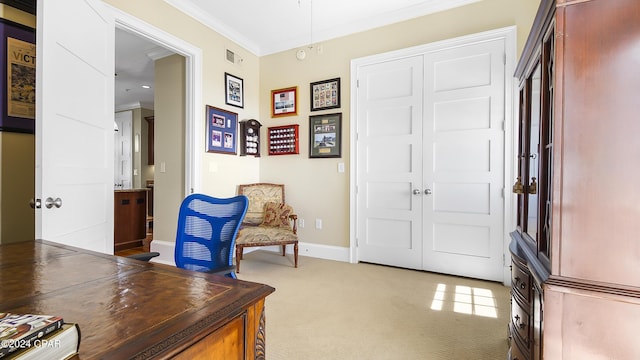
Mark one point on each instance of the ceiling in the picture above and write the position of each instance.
(264, 27)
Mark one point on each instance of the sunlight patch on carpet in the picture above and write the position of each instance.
(467, 300)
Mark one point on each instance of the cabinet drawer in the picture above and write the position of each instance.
(520, 322)
(521, 281)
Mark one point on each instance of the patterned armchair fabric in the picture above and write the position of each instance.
(268, 221)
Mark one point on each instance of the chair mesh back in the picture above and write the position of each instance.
(207, 229)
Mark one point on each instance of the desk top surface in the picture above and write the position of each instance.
(125, 308)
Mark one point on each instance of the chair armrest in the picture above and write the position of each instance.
(294, 218)
(144, 256)
(223, 271)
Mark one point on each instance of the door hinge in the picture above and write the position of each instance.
(358, 83)
(504, 58)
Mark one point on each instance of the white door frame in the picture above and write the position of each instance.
(510, 139)
(193, 89)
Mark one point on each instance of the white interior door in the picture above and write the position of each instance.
(74, 123)
(123, 156)
(464, 160)
(389, 150)
(430, 157)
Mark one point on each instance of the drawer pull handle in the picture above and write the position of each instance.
(522, 284)
(519, 324)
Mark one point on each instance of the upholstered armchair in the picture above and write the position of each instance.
(268, 221)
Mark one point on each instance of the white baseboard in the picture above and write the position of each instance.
(166, 250)
(337, 253)
(326, 252)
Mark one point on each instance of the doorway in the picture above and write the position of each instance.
(429, 151)
(79, 222)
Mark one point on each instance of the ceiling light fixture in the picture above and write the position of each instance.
(146, 87)
(301, 54)
(310, 24)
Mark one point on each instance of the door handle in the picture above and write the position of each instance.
(35, 203)
(416, 191)
(49, 203)
(427, 191)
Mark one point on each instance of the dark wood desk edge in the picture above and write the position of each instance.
(203, 320)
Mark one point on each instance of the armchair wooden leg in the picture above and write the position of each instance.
(284, 250)
(295, 254)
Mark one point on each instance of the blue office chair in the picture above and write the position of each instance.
(207, 229)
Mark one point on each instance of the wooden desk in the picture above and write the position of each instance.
(128, 309)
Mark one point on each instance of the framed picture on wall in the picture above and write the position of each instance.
(17, 77)
(284, 102)
(325, 94)
(325, 136)
(222, 130)
(234, 90)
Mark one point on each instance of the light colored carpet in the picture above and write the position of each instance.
(334, 310)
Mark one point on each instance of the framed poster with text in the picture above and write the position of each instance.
(325, 136)
(17, 77)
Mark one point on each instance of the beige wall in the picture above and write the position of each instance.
(17, 187)
(314, 187)
(169, 152)
(17, 167)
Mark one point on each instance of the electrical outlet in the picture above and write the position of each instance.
(300, 223)
(318, 223)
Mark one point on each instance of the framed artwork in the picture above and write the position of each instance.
(325, 94)
(17, 77)
(234, 90)
(325, 136)
(284, 102)
(222, 130)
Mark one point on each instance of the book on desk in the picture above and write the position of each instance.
(58, 345)
(35, 336)
(18, 331)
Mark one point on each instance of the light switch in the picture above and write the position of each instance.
(341, 167)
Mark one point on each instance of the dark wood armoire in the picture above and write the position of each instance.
(576, 249)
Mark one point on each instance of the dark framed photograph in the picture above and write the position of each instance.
(325, 136)
(325, 94)
(17, 77)
(284, 102)
(234, 90)
(222, 130)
